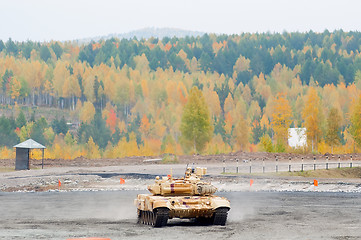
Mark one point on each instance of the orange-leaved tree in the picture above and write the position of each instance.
(112, 120)
(145, 126)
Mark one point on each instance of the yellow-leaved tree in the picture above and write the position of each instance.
(312, 116)
(87, 112)
(92, 149)
(241, 133)
(355, 118)
(281, 119)
(25, 131)
(15, 88)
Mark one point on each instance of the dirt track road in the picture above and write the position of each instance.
(254, 215)
(137, 177)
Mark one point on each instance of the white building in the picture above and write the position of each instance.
(297, 137)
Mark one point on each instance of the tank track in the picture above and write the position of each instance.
(220, 216)
(157, 218)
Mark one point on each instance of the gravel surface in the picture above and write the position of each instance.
(91, 201)
(254, 215)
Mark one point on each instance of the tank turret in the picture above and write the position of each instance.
(191, 184)
(186, 197)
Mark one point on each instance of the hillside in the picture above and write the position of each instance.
(146, 33)
(129, 95)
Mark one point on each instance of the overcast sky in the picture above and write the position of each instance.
(44, 20)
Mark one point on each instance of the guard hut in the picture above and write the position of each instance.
(23, 154)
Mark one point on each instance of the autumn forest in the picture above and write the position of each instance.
(128, 97)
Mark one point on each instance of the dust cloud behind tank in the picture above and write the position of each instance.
(186, 198)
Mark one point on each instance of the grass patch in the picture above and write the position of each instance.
(169, 158)
(232, 173)
(323, 173)
(7, 169)
(12, 169)
(354, 172)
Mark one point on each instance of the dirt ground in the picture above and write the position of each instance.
(111, 214)
(85, 198)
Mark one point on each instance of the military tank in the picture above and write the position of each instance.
(185, 198)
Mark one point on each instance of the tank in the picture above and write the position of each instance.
(186, 198)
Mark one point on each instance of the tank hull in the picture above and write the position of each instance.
(182, 206)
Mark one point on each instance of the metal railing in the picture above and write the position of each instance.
(268, 165)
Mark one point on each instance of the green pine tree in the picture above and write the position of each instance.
(333, 128)
(21, 120)
(196, 125)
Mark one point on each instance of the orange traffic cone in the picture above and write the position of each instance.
(315, 182)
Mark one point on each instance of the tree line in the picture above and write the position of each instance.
(133, 92)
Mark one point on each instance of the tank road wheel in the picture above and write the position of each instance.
(145, 218)
(148, 218)
(220, 216)
(161, 217)
(139, 216)
(142, 217)
(152, 218)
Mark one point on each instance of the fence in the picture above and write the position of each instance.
(263, 166)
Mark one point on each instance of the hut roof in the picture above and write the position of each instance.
(30, 143)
